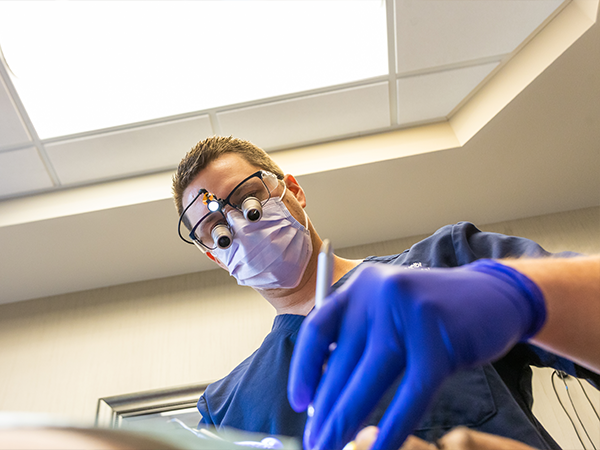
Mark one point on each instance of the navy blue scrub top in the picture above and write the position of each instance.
(494, 398)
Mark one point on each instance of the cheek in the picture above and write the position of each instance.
(295, 209)
(301, 217)
(216, 260)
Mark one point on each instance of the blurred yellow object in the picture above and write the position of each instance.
(350, 446)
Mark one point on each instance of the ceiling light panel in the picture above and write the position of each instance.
(81, 66)
(433, 33)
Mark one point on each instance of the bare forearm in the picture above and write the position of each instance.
(571, 287)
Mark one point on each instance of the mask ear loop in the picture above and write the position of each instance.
(303, 210)
(284, 191)
(306, 218)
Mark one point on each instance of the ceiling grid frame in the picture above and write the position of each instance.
(453, 66)
(221, 109)
(214, 122)
(392, 80)
(505, 58)
(390, 17)
(35, 140)
(52, 216)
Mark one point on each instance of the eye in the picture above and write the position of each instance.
(204, 230)
(244, 194)
(249, 194)
(253, 187)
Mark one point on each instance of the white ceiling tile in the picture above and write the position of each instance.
(22, 171)
(434, 33)
(127, 152)
(303, 120)
(435, 95)
(12, 129)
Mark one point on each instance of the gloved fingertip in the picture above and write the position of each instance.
(307, 441)
(298, 406)
(298, 396)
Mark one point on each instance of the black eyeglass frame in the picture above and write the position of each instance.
(222, 203)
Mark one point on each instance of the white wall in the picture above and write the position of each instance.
(549, 412)
(60, 354)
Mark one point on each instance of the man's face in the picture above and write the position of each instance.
(224, 174)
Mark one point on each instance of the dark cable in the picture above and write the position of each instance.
(565, 409)
(588, 399)
(577, 414)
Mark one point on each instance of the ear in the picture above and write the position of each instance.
(296, 190)
(216, 260)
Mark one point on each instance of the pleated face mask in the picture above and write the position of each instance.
(271, 253)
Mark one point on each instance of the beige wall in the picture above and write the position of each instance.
(60, 354)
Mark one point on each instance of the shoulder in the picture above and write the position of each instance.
(437, 250)
(461, 243)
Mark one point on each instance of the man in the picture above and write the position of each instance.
(248, 217)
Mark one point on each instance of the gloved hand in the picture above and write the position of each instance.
(386, 321)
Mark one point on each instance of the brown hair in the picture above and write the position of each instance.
(206, 151)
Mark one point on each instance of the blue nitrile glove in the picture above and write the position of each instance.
(388, 320)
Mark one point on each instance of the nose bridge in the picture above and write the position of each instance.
(227, 208)
(231, 215)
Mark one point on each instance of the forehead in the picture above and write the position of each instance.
(219, 176)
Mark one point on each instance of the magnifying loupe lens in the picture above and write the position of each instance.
(252, 209)
(222, 236)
